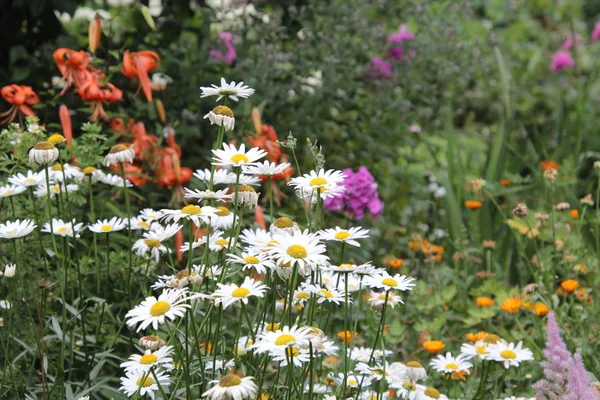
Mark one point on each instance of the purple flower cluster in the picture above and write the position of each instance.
(360, 195)
(565, 375)
(382, 69)
(225, 39)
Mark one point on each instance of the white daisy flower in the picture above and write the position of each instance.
(269, 341)
(143, 381)
(230, 90)
(164, 232)
(11, 190)
(93, 174)
(373, 395)
(219, 195)
(259, 261)
(479, 349)
(509, 354)
(388, 282)
(265, 168)
(245, 196)
(353, 380)
(232, 386)
(250, 180)
(150, 215)
(170, 304)
(196, 214)
(63, 228)
(138, 223)
(159, 358)
(151, 244)
(328, 182)
(431, 394)
(16, 229)
(115, 180)
(229, 294)
(378, 298)
(218, 242)
(257, 240)
(303, 249)
(219, 365)
(43, 153)
(5, 304)
(363, 354)
(284, 225)
(29, 180)
(299, 356)
(344, 235)
(220, 176)
(415, 371)
(224, 218)
(59, 172)
(107, 226)
(408, 390)
(221, 116)
(394, 372)
(232, 157)
(448, 364)
(9, 270)
(327, 347)
(119, 153)
(213, 272)
(55, 189)
(180, 280)
(330, 296)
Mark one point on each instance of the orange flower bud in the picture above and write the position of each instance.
(473, 204)
(160, 109)
(433, 346)
(484, 301)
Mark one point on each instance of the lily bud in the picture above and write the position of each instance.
(65, 123)
(160, 109)
(94, 33)
(256, 120)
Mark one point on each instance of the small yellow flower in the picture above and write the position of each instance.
(512, 305)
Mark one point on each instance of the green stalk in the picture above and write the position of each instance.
(129, 252)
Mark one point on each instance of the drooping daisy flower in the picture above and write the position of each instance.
(115, 180)
(17, 229)
(265, 168)
(303, 249)
(42, 191)
(329, 296)
(63, 228)
(449, 364)
(284, 225)
(408, 390)
(479, 349)
(144, 381)
(5, 304)
(151, 342)
(138, 224)
(43, 153)
(259, 261)
(377, 299)
(93, 174)
(196, 214)
(160, 358)
(200, 195)
(387, 282)
(224, 218)
(9, 270)
(431, 393)
(11, 190)
(344, 235)
(509, 354)
(107, 226)
(394, 372)
(152, 311)
(150, 215)
(328, 183)
(180, 280)
(232, 386)
(150, 244)
(245, 196)
(268, 341)
(232, 157)
(232, 293)
(119, 153)
(29, 180)
(363, 354)
(230, 90)
(415, 371)
(221, 116)
(353, 380)
(59, 172)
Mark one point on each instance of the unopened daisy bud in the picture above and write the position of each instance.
(56, 138)
(222, 116)
(562, 206)
(43, 153)
(10, 270)
(284, 225)
(415, 371)
(587, 200)
(246, 195)
(180, 280)
(119, 153)
(151, 342)
(520, 210)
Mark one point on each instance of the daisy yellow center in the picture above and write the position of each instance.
(292, 351)
(146, 383)
(284, 222)
(8, 191)
(433, 393)
(62, 229)
(509, 354)
(480, 350)
(272, 327)
(452, 366)
(159, 308)
(284, 339)
(345, 266)
(88, 170)
(106, 228)
(230, 380)
(223, 211)
(297, 251)
(326, 293)
(30, 180)
(223, 110)
(11, 232)
(57, 167)
(118, 148)
(56, 138)
(43, 146)
(191, 210)
(152, 243)
(389, 282)
(246, 188)
(302, 295)
(318, 182)
(240, 292)
(239, 158)
(251, 260)
(272, 243)
(342, 235)
(221, 242)
(143, 224)
(352, 382)
(56, 188)
(414, 364)
(148, 359)
(409, 386)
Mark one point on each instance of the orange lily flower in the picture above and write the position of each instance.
(93, 91)
(138, 65)
(132, 173)
(259, 217)
(19, 96)
(72, 65)
(170, 137)
(142, 142)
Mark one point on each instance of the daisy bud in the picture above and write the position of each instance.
(246, 195)
(284, 225)
(415, 371)
(222, 116)
(9, 270)
(151, 342)
(43, 153)
(119, 153)
(562, 206)
(520, 210)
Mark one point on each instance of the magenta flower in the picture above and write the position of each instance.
(396, 53)
(570, 42)
(561, 60)
(403, 35)
(596, 32)
(225, 39)
(360, 195)
(380, 69)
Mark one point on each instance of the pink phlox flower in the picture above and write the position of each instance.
(561, 60)
(403, 35)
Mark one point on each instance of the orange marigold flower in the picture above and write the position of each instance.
(546, 165)
(396, 263)
(476, 337)
(484, 301)
(437, 258)
(413, 245)
(583, 295)
(347, 336)
(540, 309)
(433, 346)
(511, 305)
(505, 182)
(569, 285)
(574, 214)
(459, 375)
(473, 204)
